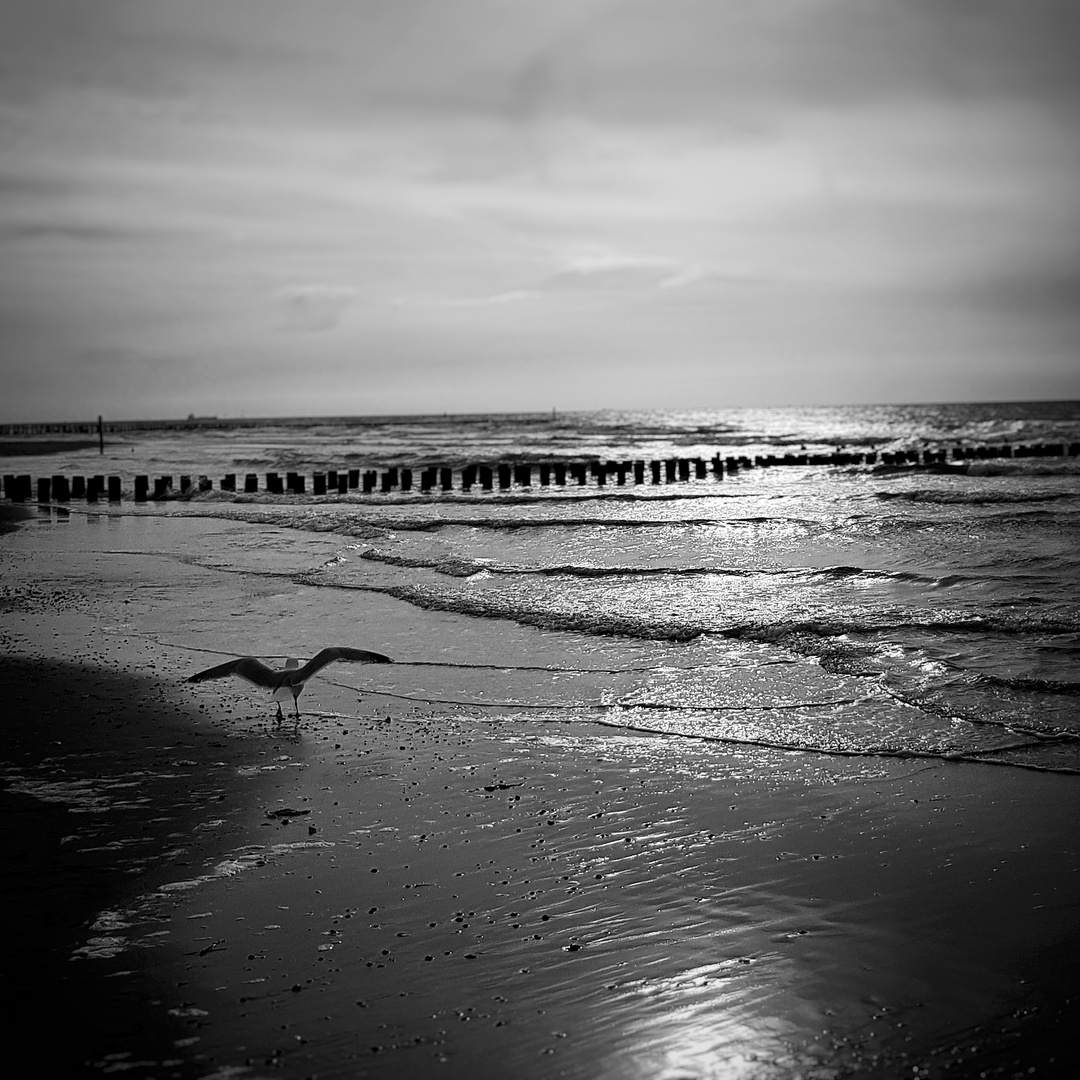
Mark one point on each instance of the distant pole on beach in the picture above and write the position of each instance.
(101, 436)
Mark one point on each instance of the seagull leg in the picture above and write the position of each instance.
(280, 715)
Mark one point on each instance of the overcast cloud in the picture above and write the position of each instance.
(352, 206)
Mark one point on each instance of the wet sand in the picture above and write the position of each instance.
(396, 889)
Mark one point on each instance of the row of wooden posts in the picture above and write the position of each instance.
(503, 475)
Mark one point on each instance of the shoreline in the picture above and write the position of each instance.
(411, 889)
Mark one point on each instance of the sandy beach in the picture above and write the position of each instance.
(401, 887)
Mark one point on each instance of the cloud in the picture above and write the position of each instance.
(604, 269)
(586, 178)
(314, 307)
(595, 271)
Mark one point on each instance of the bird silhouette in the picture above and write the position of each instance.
(293, 678)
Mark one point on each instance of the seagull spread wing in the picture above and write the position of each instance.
(255, 671)
(247, 667)
(328, 656)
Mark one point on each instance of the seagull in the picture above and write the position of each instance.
(293, 678)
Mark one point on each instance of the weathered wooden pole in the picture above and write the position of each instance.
(654, 469)
(406, 479)
(486, 477)
(78, 487)
(318, 483)
(114, 489)
(251, 483)
(560, 474)
(343, 483)
(639, 472)
(142, 485)
(446, 479)
(354, 478)
(371, 477)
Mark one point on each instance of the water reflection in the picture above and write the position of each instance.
(734, 1020)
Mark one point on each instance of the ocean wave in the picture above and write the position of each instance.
(800, 635)
(462, 567)
(954, 497)
(1030, 685)
(1024, 467)
(371, 522)
(511, 524)
(494, 608)
(285, 515)
(551, 496)
(960, 623)
(316, 516)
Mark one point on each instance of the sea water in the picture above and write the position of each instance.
(874, 610)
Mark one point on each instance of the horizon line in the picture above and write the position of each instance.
(195, 420)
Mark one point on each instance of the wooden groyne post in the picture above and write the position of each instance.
(58, 488)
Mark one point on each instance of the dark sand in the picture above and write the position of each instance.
(105, 784)
(396, 890)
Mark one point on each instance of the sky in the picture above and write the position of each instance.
(346, 207)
